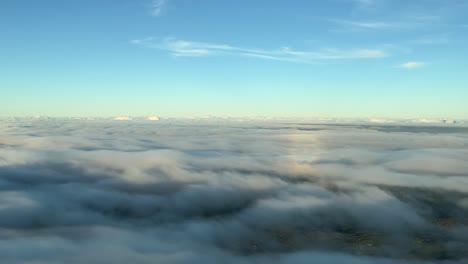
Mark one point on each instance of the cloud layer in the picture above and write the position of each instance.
(249, 192)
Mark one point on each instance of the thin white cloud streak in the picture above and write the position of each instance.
(366, 24)
(408, 23)
(412, 65)
(182, 48)
(364, 6)
(157, 7)
(364, 3)
(432, 41)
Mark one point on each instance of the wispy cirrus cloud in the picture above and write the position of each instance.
(432, 41)
(412, 65)
(157, 7)
(365, 6)
(183, 48)
(406, 21)
(364, 3)
(365, 24)
(415, 24)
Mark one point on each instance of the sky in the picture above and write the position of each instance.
(175, 58)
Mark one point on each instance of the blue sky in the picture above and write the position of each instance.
(297, 58)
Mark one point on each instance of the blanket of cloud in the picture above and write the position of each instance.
(232, 192)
